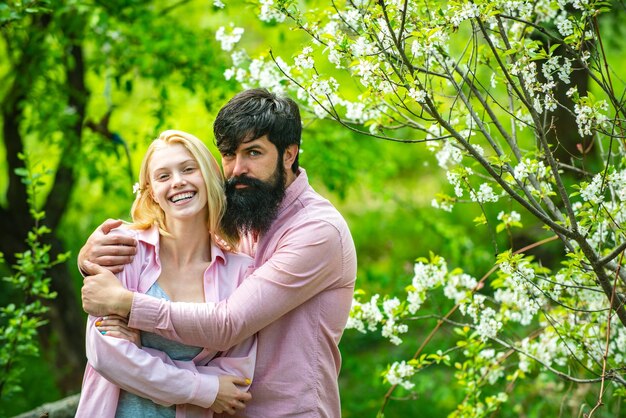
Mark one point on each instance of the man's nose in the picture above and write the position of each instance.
(239, 166)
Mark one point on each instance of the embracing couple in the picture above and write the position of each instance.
(228, 292)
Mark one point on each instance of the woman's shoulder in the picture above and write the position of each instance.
(128, 229)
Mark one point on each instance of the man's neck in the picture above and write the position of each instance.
(290, 177)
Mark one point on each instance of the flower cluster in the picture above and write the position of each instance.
(228, 40)
(399, 374)
(590, 116)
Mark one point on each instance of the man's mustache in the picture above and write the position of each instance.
(244, 181)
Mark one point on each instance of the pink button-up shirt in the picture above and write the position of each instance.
(114, 363)
(298, 300)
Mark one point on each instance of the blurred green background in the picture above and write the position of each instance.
(86, 85)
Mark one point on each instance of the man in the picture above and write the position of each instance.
(299, 296)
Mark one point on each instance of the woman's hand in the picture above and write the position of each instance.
(117, 326)
(230, 398)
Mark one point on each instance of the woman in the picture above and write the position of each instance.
(182, 255)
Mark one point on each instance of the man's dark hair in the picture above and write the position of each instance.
(254, 113)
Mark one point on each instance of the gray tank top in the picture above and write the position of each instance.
(133, 406)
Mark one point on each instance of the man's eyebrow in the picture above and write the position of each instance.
(249, 146)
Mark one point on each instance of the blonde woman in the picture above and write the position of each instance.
(182, 256)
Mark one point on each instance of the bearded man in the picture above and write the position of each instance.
(297, 299)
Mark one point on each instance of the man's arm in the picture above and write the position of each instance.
(108, 250)
(305, 263)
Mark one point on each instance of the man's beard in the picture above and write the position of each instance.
(253, 208)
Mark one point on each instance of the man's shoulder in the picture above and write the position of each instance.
(315, 207)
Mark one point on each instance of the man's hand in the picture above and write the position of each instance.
(103, 294)
(110, 251)
(230, 398)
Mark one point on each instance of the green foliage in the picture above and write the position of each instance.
(154, 66)
(19, 321)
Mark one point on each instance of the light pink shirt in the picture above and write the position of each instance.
(298, 300)
(114, 363)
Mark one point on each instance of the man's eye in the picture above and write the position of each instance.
(255, 153)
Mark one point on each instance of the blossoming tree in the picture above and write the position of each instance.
(485, 86)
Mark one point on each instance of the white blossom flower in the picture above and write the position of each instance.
(365, 315)
(589, 117)
(228, 40)
(136, 189)
(459, 287)
(362, 47)
(488, 326)
(448, 155)
(417, 95)
(509, 218)
(467, 11)
(238, 57)
(229, 73)
(592, 192)
(564, 25)
(304, 60)
(484, 194)
(398, 374)
(391, 330)
(269, 13)
(445, 205)
(335, 55)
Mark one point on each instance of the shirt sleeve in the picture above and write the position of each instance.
(150, 373)
(307, 260)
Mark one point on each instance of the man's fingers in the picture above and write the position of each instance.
(106, 241)
(109, 224)
(123, 241)
(114, 269)
(113, 260)
(92, 268)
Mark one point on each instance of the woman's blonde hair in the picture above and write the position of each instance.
(145, 212)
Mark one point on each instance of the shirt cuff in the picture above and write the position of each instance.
(206, 391)
(144, 312)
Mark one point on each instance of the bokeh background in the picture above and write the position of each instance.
(86, 85)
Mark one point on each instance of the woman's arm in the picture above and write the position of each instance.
(138, 371)
(152, 374)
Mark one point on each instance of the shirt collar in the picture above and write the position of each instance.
(151, 236)
(294, 190)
